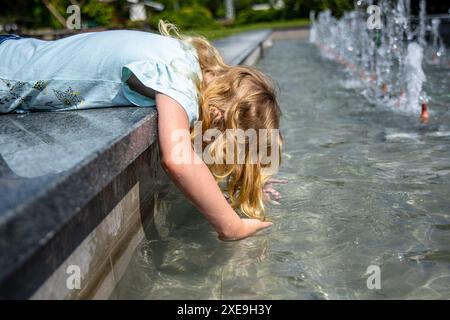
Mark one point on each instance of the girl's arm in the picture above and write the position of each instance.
(194, 179)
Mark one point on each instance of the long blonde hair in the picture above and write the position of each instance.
(246, 99)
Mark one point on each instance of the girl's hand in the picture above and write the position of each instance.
(270, 192)
(248, 227)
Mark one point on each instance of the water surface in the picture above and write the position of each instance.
(368, 186)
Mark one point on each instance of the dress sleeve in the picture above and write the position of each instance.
(166, 79)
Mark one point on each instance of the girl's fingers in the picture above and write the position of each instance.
(268, 185)
(281, 181)
(254, 225)
(268, 194)
(265, 224)
(276, 195)
(269, 199)
(273, 192)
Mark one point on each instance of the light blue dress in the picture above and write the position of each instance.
(90, 70)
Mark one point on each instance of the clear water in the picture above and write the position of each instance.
(368, 186)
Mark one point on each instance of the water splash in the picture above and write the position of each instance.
(437, 45)
(415, 75)
(387, 61)
(422, 23)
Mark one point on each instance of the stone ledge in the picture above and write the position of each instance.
(237, 48)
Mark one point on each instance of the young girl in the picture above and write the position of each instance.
(187, 80)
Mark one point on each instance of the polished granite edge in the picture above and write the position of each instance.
(37, 204)
(146, 172)
(147, 120)
(30, 227)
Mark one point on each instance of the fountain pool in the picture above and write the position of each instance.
(368, 185)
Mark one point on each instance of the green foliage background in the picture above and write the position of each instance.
(188, 14)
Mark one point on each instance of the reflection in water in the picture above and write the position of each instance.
(368, 185)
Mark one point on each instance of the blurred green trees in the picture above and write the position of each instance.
(188, 14)
(36, 13)
(194, 16)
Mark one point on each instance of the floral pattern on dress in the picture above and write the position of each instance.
(40, 85)
(69, 97)
(13, 91)
(19, 96)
